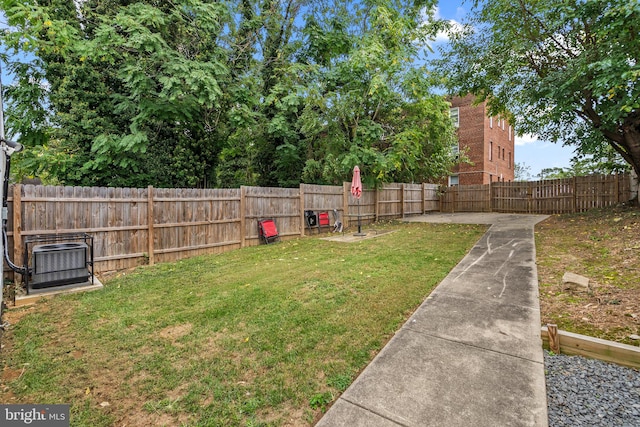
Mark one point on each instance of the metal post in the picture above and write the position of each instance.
(359, 227)
(7, 148)
(359, 233)
(2, 166)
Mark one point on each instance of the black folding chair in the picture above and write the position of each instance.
(311, 219)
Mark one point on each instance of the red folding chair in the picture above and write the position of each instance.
(268, 231)
(323, 220)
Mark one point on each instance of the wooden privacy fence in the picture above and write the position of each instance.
(556, 196)
(131, 227)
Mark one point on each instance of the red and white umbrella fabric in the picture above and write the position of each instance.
(356, 191)
(356, 183)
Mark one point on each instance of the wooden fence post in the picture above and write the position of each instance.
(402, 198)
(454, 198)
(574, 184)
(554, 339)
(302, 221)
(243, 219)
(376, 197)
(345, 204)
(423, 203)
(150, 220)
(17, 229)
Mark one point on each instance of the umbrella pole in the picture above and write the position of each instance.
(359, 233)
(359, 229)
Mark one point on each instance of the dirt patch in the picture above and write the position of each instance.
(13, 316)
(604, 246)
(145, 419)
(10, 374)
(176, 332)
(354, 237)
(291, 416)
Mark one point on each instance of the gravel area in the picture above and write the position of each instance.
(588, 392)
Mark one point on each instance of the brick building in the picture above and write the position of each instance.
(487, 141)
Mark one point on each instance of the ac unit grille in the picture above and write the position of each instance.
(59, 264)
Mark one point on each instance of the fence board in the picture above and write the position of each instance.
(282, 204)
(431, 197)
(390, 199)
(364, 208)
(413, 199)
(467, 198)
(189, 222)
(320, 198)
(539, 197)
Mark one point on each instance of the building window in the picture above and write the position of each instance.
(509, 159)
(503, 154)
(456, 150)
(491, 122)
(454, 113)
(453, 180)
(498, 152)
(490, 151)
(510, 133)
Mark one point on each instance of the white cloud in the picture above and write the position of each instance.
(436, 12)
(455, 26)
(526, 139)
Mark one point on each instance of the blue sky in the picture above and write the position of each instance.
(530, 151)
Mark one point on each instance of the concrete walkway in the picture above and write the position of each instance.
(471, 354)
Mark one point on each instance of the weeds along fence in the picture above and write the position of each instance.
(132, 227)
(556, 196)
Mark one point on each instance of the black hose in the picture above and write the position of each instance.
(17, 269)
(7, 169)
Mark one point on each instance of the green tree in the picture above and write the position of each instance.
(522, 172)
(368, 104)
(198, 93)
(554, 173)
(565, 70)
(128, 91)
(607, 162)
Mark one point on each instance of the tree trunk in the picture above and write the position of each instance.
(631, 142)
(635, 188)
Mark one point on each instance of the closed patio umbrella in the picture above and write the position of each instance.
(356, 183)
(356, 191)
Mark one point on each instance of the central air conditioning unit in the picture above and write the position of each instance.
(59, 264)
(58, 260)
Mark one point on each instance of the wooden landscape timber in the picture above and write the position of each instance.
(595, 348)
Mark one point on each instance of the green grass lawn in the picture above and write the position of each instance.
(262, 336)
